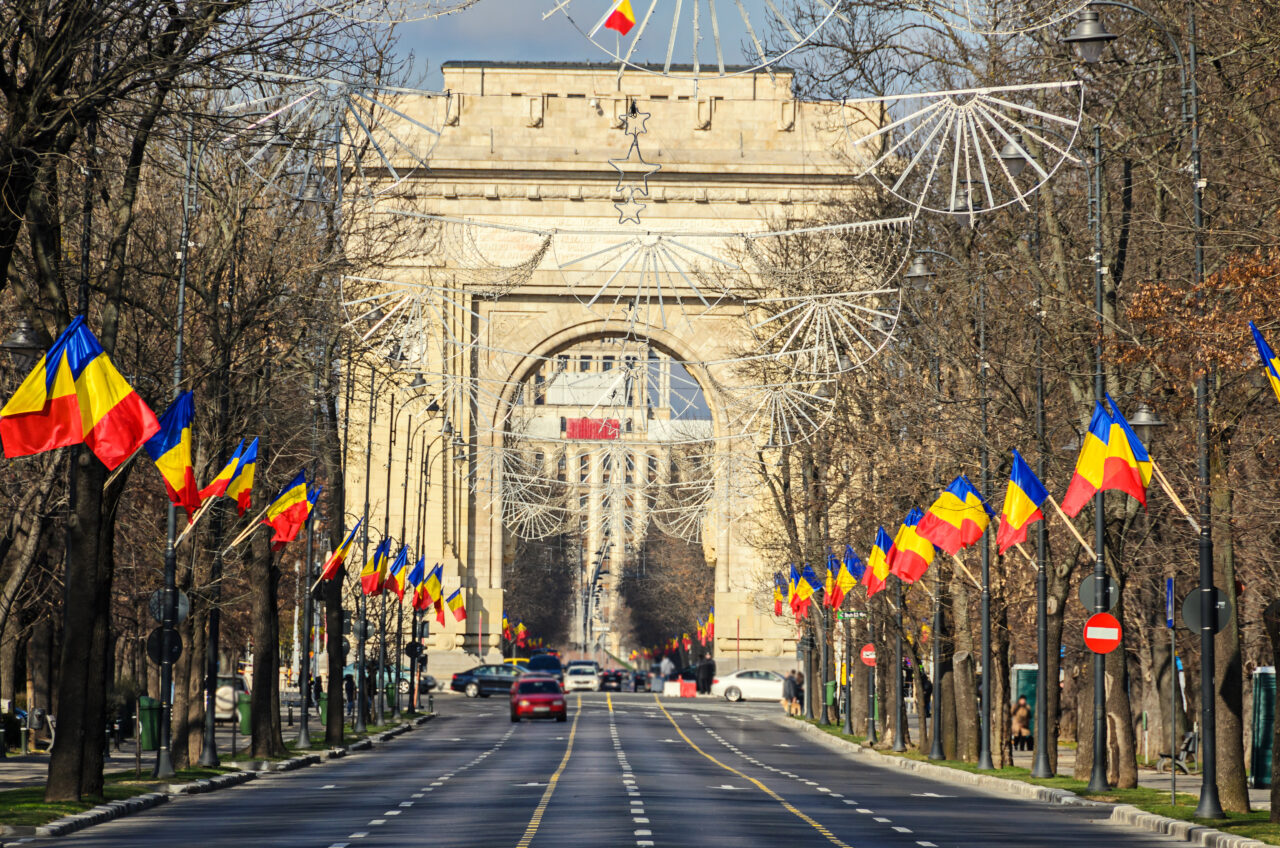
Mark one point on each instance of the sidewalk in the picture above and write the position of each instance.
(18, 770)
(1189, 784)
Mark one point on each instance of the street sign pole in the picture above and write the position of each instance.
(1173, 691)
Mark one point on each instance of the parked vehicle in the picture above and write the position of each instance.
(748, 685)
(537, 696)
(485, 680)
(389, 673)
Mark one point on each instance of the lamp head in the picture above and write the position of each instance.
(1012, 155)
(24, 345)
(1089, 36)
(919, 271)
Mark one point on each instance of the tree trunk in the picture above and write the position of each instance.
(264, 699)
(944, 694)
(9, 644)
(1084, 718)
(1123, 769)
(966, 689)
(1059, 591)
(1001, 697)
(1233, 788)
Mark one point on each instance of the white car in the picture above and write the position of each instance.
(582, 677)
(748, 685)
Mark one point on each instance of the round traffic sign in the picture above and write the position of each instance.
(1089, 586)
(156, 605)
(1218, 601)
(155, 646)
(1102, 633)
(868, 654)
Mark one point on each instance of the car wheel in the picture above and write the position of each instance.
(733, 693)
(403, 687)
(472, 690)
(515, 718)
(561, 717)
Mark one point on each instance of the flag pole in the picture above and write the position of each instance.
(195, 519)
(121, 468)
(959, 562)
(248, 531)
(320, 579)
(1173, 496)
(1072, 528)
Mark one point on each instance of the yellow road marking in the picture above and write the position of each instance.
(536, 821)
(831, 837)
(609, 700)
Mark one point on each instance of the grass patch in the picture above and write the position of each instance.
(26, 807)
(1254, 825)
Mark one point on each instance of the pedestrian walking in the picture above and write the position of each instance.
(706, 674)
(349, 694)
(1020, 720)
(799, 702)
(789, 692)
(667, 668)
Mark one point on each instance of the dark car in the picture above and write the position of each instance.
(485, 680)
(611, 680)
(545, 664)
(641, 681)
(689, 673)
(536, 696)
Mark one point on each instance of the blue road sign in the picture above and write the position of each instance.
(1168, 602)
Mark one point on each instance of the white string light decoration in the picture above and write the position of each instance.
(963, 152)
(694, 36)
(292, 126)
(1001, 17)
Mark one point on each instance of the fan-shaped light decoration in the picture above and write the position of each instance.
(653, 280)
(293, 127)
(1001, 17)
(784, 411)
(829, 302)
(964, 151)
(695, 35)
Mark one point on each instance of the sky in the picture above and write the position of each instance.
(514, 31)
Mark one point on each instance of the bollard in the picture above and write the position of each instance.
(291, 715)
(431, 703)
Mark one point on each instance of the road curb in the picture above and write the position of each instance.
(1121, 814)
(139, 803)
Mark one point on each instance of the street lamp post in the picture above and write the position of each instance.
(1089, 37)
(919, 270)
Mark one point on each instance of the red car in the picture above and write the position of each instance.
(537, 696)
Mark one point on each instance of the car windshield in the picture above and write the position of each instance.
(581, 670)
(539, 687)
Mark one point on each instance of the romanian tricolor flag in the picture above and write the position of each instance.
(418, 580)
(331, 565)
(374, 574)
(957, 519)
(711, 624)
(806, 587)
(621, 19)
(687, 642)
(218, 486)
(779, 593)
(878, 563)
(911, 553)
(398, 574)
(170, 450)
(240, 489)
(289, 511)
(75, 395)
(506, 627)
(847, 574)
(456, 606)
(1022, 502)
(1091, 465)
(522, 634)
(793, 590)
(1128, 465)
(1270, 362)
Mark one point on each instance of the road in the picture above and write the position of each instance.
(624, 770)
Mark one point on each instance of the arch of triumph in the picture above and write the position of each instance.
(527, 145)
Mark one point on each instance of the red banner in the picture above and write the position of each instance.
(591, 428)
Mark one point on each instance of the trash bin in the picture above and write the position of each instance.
(831, 693)
(242, 707)
(149, 720)
(323, 703)
(391, 695)
(1264, 699)
(688, 688)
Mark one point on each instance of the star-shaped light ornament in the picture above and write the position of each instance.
(634, 169)
(633, 122)
(628, 207)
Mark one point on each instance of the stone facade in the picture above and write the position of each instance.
(527, 146)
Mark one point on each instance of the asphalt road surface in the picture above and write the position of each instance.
(624, 770)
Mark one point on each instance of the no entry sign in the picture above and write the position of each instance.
(1102, 633)
(868, 654)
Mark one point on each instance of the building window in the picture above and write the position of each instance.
(563, 425)
(584, 363)
(562, 363)
(584, 469)
(539, 390)
(606, 363)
